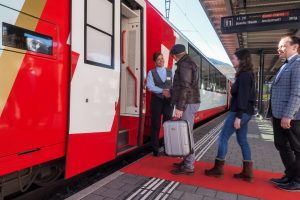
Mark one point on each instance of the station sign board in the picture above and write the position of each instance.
(261, 21)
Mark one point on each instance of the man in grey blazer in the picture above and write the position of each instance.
(285, 109)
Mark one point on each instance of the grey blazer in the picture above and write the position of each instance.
(285, 91)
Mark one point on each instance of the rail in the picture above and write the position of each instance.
(123, 42)
(135, 85)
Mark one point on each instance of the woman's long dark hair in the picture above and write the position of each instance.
(245, 65)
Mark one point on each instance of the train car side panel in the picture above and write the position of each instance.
(95, 84)
(34, 76)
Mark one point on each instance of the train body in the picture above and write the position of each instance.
(72, 77)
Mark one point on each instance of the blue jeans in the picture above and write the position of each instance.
(241, 135)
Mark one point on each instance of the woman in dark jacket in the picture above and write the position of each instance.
(241, 109)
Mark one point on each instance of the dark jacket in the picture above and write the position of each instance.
(243, 94)
(186, 83)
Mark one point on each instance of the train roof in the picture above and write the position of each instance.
(184, 37)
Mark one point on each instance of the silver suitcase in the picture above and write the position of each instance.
(178, 138)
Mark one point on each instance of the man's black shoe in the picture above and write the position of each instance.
(280, 181)
(183, 170)
(179, 164)
(291, 186)
(157, 153)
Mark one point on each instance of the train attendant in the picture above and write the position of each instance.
(159, 82)
(185, 98)
(241, 109)
(285, 110)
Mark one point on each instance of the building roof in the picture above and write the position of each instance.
(258, 41)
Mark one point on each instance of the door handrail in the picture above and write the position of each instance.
(135, 85)
(123, 43)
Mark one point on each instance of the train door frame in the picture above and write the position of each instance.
(131, 124)
(95, 50)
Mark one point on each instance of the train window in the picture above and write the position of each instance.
(223, 84)
(99, 34)
(205, 75)
(218, 79)
(20, 38)
(212, 78)
(197, 59)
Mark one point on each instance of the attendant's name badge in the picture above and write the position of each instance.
(168, 78)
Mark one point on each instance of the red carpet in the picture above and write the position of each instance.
(260, 188)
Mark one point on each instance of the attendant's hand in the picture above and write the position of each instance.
(166, 93)
(285, 123)
(237, 123)
(178, 113)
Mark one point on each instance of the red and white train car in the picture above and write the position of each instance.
(72, 77)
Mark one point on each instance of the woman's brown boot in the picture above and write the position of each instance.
(247, 172)
(217, 170)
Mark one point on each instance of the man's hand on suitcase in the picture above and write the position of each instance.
(178, 113)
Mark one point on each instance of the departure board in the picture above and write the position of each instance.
(286, 19)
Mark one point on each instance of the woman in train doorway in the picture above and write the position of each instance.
(159, 82)
(241, 109)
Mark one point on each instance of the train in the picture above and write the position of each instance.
(73, 85)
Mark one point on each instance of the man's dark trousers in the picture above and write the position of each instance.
(159, 106)
(287, 142)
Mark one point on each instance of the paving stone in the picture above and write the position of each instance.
(132, 180)
(176, 194)
(206, 192)
(125, 176)
(141, 182)
(115, 184)
(138, 197)
(210, 198)
(242, 197)
(101, 190)
(123, 195)
(187, 188)
(226, 196)
(93, 197)
(107, 192)
(191, 196)
(129, 187)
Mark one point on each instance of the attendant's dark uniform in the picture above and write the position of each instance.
(160, 105)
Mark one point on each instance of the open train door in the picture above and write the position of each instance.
(95, 45)
(132, 75)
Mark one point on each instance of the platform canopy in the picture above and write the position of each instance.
(257, 41)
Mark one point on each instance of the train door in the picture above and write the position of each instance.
(97, 109)
(94, 95)
(131, 76)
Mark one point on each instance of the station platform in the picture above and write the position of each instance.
(150, 177)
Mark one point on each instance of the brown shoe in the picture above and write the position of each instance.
(247, 172)
(183, 170)
(178, 165)
(217, 170)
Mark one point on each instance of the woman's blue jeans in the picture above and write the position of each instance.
(241, 135)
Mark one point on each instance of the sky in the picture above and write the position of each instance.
(189, 17)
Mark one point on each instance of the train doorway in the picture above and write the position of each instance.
(131, 77)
